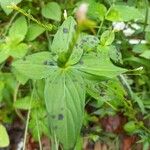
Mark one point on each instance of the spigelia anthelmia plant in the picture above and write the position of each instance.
(80, 63)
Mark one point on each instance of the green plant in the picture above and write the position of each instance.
(80, 65)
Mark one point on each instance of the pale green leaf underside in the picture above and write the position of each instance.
(4, 139)
(64, 36)
(66, 118)
(36, 66)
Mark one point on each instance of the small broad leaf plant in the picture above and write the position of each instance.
(75, 59)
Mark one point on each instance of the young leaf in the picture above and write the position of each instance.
(19, 29)
(107, 38)
(5, 3)
(36, 66)
(66, 88)
(34, 31)
(64, 36)
(52, 10)
(4, 139)
(75, 56)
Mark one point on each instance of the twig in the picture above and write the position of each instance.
(47, 26)
(14, 99)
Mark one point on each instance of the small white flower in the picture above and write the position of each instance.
(139, 68)
(118, 26)
(137, 41)
(128, 32)
(135, 26)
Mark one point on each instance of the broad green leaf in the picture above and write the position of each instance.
(4, 139)
(107, 38)
(123, 13)
(96, 11)
(26, 103)
(36, 66)
(5, 3)
(64, 36)
(34, 31)
(98, 65)
(52, 10)
(19, 29)
(66, 88)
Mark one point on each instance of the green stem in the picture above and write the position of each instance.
(27, 122)
(39, 139)
(100, 27)
(14, 99)
(9, 24)
(102, 22)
